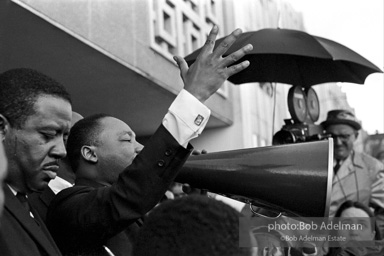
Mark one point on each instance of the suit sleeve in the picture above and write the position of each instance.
(81, 216)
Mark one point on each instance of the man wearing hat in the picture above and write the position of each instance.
(357, 176)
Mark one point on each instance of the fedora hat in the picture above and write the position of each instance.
(341, 116)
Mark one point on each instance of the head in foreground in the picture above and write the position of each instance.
(191, 225)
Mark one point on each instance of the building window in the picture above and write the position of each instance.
(180, 27)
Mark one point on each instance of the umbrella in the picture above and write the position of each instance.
(297, 58)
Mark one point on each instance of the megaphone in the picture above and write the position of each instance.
(293, 179)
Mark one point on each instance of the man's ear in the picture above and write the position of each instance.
(4, 126)
(89, 154)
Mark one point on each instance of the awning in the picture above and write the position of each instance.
(97, 83)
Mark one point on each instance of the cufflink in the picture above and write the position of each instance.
(199, 119)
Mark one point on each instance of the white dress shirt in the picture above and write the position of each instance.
(58, 184)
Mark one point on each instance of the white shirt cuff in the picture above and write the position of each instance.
(186, 118)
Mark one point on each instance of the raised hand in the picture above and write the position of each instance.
(206, 75)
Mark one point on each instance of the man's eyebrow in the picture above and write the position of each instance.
(130, 133)
(54, 128)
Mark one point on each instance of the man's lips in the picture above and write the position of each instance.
(51, 170)
(51, 167)
(339, 148)
(50, 174)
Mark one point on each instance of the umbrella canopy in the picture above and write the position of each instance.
(297, 58)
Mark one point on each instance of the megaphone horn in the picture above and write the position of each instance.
(294, 179)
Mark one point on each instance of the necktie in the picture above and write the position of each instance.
(23, 200)
(337, 166)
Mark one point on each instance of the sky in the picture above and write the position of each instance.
(357, 24)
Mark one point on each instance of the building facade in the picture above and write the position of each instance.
(115, 57)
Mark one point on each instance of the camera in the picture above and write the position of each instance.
(303, 105)
(296, 133)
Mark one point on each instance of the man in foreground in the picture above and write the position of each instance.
(35, 116)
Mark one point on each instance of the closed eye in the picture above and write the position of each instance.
(48, 136)
(126, 138)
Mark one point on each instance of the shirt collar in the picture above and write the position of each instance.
(12, 189)
(58, 184)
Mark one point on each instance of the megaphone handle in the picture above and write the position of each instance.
(265, 216)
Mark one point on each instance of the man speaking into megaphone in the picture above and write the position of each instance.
(117, 180)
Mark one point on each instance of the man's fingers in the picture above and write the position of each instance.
(226, 43)
(232, 58)
(210, 43)
(237, 68)
(210, 69)
(183, 66)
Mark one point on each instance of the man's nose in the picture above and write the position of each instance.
(338, 141)
(138, 148)
(59, 150)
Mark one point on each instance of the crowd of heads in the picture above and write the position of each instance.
(38, 128)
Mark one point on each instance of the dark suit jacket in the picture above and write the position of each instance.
(121, 243)
(41, 201)
(83, 218)
(21, 234)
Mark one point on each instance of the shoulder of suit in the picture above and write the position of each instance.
(369, 162)
(69, 192)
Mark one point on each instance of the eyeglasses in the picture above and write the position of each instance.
(342, 137)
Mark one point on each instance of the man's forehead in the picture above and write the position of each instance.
(354, 212)
(340, 128)
(51, 111)
(126, 132)
(116, 125)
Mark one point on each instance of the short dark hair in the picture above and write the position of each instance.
(188, 226)
(19, 90)
(355, 204)
(84, 132)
